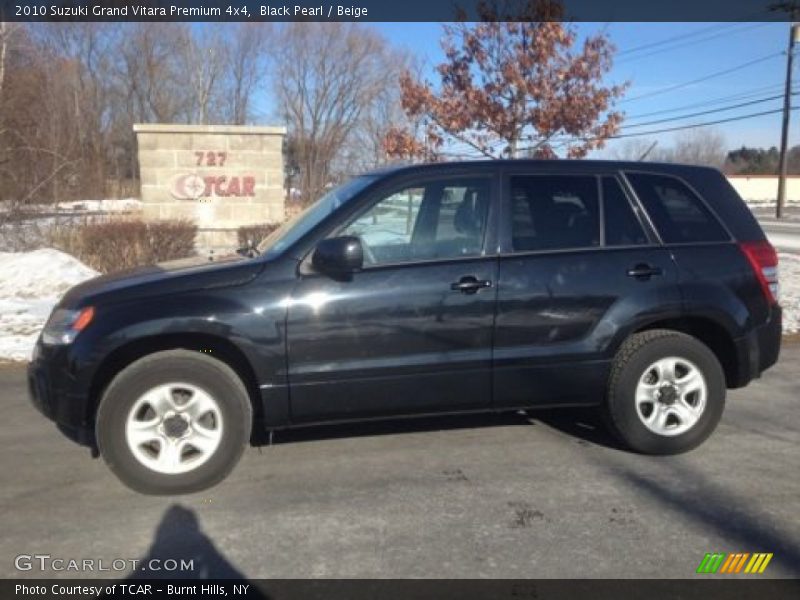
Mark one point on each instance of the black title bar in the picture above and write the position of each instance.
(391, 10)
(739, 588)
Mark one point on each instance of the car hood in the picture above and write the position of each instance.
(169, 277)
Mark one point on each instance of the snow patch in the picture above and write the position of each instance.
(107, 205)
(789, 274)
(31, 283)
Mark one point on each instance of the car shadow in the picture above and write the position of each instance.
(689, 493)
(585, 425)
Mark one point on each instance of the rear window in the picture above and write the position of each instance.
(553, 212)
(676, 211)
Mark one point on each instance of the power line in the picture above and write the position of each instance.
(704, 124)
(701, 79)
(712, 101)
(671, 39)
(685, 44)
(706, 112)
(567, 140)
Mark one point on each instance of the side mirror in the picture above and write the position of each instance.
(339, 255)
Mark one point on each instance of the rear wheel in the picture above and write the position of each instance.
(173, 422)
(666, 392)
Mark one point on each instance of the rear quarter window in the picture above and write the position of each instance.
(678, 214)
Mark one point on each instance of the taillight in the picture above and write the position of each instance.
(764, 260)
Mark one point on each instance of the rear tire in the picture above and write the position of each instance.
(666, 392)
(173, 422)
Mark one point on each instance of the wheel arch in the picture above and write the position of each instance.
(211, 345)
(711, 333)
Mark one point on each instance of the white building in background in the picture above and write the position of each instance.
(763, 189)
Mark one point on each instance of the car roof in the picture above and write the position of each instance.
(558, 165)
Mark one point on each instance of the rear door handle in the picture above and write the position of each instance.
(644, 271)
(469, 285)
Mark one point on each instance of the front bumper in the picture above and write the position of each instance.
(55, 392)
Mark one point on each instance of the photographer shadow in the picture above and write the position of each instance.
(178, 541)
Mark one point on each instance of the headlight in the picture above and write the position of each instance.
(63, 325)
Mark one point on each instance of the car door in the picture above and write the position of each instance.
(411, 332)
(578, 264)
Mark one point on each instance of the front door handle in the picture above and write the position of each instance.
(469, 285)
(644, 271)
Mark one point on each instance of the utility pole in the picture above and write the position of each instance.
(648, 151)
(794, 35)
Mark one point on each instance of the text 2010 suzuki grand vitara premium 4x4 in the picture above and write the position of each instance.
(644, 289)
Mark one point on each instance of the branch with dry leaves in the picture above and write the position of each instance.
(505, 82)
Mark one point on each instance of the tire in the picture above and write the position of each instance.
(687, 408)
(173, 422)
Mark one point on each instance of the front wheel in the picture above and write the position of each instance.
(666, 392)
(173, 422)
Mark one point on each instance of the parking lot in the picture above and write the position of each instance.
(477, 496)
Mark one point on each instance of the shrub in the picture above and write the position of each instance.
(121, 244)
(256, 232)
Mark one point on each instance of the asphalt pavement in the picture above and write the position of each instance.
(478, 496)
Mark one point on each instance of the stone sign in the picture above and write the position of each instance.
(219, 176)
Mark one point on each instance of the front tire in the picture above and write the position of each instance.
(173, 422)
(666, 392)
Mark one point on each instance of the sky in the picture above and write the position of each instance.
(697, 50)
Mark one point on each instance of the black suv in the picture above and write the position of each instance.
(644, 289)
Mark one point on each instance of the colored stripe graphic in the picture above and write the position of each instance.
(711, 562)
(734, 563)
(721, 562)
(758, 563)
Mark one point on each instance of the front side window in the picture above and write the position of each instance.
(554, 212)
(676, 211)
(435, 220)
(295, 228)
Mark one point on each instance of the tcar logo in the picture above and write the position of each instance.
(191, 186)
(738, 562)
(188, 187)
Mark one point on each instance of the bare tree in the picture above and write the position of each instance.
(39, 146)
(149, 77)
(202, 63)
(6, 29)
(245, 69)
(84, 53)
(636, 149)
(325, 77)
(699, 146)
(363, 149)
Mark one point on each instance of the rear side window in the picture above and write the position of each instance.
(678, 214)
(621, 223)
(554, 212)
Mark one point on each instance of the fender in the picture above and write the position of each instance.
(215, 313)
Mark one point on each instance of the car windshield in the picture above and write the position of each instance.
(299, 225)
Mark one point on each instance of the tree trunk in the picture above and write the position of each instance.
(5, 33)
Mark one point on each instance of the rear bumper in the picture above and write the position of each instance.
(53, 390)
(759, 349)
